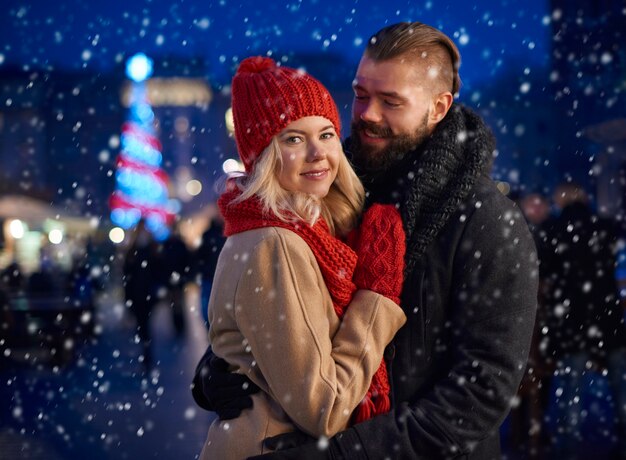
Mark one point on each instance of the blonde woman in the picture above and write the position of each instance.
(302, 314)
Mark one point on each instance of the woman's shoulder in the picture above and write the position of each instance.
(276, 237)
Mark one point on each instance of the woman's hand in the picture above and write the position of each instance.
(380, 244)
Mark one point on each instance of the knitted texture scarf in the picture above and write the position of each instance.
(337, 262)
(431, 182)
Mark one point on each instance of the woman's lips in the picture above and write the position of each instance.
(317, 174)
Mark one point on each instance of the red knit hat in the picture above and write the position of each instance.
(266, 98)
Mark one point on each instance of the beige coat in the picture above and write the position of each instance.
(272, 318)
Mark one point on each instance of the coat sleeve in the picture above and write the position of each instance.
(281, 310)
(492, 312)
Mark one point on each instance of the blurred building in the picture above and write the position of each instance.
(60, 135)
(55, 136)
(60, 132)
(47, 179)
(520, 111)
(589, 85)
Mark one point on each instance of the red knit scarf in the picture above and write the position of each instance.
(337, 262)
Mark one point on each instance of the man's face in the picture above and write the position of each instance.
(390, 112)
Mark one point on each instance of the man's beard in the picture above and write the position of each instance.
(370, 160)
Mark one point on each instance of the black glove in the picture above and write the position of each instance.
(216, 389)
(296, 445)
(288, 440)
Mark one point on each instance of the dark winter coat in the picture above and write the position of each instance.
(470, 297)
(174, 262)
(583, 309)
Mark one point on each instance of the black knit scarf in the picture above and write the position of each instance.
(430, 182)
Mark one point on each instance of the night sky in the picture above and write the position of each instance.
(96, 36)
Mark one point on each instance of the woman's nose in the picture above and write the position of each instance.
(316, 152)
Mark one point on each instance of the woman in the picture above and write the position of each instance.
(286, 310)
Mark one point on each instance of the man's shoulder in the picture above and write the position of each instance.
(488, 211)
(485, 199)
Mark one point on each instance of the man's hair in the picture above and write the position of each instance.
(419, 41)
(340, 208)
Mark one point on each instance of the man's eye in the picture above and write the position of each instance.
(360, 98)
(392, 104)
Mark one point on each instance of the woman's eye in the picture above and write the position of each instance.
(328, 135)
(293, 140)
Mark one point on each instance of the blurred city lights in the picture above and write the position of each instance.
(230, 123)
(116, 235)
(17, 229)
(55, 236)
(139, 67)
(504, 187)
(193, 187)
(231, 165)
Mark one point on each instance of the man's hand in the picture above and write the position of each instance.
(216, 389)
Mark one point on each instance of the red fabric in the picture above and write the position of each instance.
(266, 98)
(337, 262)
(380, 243)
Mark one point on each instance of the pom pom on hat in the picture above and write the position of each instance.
(267, 97)
(256, 64)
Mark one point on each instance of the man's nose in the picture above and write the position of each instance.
(370, 113)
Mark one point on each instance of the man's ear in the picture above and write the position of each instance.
(440, 105)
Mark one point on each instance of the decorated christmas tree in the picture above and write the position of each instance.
(141, 185)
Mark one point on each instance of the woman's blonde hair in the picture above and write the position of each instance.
(340, 208)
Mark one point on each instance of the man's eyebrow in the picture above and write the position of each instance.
(393, 94)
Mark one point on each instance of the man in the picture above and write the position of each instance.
(173, 271)
(470, 285)
(140, 286)
(526, 417)
(205, 261)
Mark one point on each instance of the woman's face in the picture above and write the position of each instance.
(310, 150)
